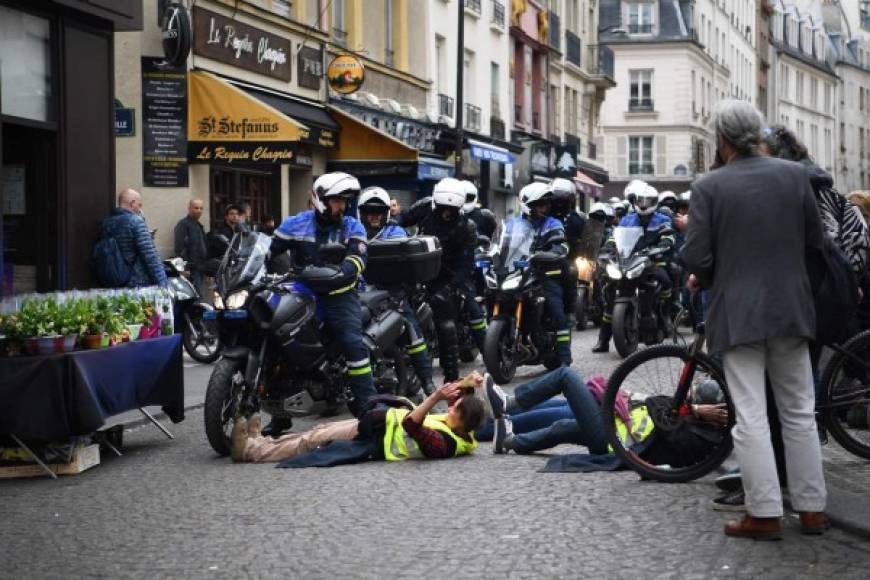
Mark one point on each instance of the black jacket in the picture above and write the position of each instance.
(190, 242)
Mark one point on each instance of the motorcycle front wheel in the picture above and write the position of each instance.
(626, 328)
(201, 337)
(222, 400)
(581, 309)
(499, 353)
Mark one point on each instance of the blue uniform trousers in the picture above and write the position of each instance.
(341, 313)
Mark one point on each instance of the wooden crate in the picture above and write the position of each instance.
(84, 458)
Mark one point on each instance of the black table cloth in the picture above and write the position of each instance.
(50, 398)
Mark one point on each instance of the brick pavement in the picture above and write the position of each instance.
(172, 509)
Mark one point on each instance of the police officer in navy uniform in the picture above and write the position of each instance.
(304, 234)
(548, 235)
(564, 208)
(374, 212)
(483, 218)
(441, 216)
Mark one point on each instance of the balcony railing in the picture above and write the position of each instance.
(641, 169)
(600, 60)
(641, 105)
(640, 28)
(339, 36)
(473, 5)
(497, 129)
(497, 13)
(593, 150)
(472, 118)
(555, 31)
(573, 48)
(445, 105)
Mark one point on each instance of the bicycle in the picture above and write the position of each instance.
(845, 406)
(673, 371)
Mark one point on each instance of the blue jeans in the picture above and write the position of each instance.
(538, 417)
(584, 428)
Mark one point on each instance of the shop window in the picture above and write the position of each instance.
(25, 65)
(259, 189)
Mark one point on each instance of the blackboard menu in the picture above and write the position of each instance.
(164, 124)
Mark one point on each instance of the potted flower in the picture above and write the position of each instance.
(36, 318)
(133, 312)
(93, 335)
(71, 322)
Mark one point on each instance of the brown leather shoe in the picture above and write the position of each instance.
(814, 523)
(755, 528)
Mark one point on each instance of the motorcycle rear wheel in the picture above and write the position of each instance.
(626, 331)
(221, 404)
(499, 355)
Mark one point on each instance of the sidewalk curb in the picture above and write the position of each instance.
(849, 511)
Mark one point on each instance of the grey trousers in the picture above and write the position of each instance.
(787, 363)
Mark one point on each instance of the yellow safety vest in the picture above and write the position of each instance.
(398, 445)
(641, 428)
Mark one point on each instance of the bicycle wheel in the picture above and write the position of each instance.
(846, 404)
(671, 371)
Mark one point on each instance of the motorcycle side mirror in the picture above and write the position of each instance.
(332, 253)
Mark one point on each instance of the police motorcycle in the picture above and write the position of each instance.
(279, 358)
(485, 279)
(636, 313)
(586, 264)
(520, 332)
(199, 333)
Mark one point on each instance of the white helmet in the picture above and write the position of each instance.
(374, 199)
(614, 200)
(668, 198)
(634, 188)
(601, 208)
(685, 197)
(331, 185)
(470, 196)
(647, 201)
(448, 192)
(563, 186)
(533, 193)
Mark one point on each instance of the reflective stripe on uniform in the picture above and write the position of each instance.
(563, 335)
(357, 372)
(606, 318)
(414, 349)
(664, 295)
(477, 324)
(553, 272)
(357, 261)
(343, 290)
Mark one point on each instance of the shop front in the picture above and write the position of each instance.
(56, 138)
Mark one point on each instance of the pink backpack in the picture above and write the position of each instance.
(598, 385)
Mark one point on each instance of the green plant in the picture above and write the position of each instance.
(132, 310)
(73, 316)
(36, 318)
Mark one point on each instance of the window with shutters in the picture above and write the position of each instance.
(640, 155)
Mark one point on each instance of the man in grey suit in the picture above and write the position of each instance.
(749, 226)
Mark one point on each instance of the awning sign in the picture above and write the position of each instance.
(434, 170)
(486, 152)
(219, 112)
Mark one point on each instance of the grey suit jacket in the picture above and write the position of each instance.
(749, 224)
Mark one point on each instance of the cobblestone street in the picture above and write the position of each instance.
(173, 509)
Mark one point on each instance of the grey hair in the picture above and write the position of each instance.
(739, 123)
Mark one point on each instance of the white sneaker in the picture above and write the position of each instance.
(504, 432)
(496, 398)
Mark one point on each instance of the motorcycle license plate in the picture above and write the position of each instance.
(210, 315)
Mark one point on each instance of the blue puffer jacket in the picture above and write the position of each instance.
(131, 234)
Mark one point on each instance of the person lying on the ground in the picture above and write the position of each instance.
(397, 432)
(521, 420)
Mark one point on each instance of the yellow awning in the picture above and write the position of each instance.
(220, 112)
(362, 142)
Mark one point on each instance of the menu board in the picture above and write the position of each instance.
(164, 124)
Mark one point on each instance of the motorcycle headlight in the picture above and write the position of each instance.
(613, 272)
(635, 272)
(237, 300)
(511, 283)
(218, 301)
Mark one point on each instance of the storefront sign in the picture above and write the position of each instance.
(413, 133)
(176, 34)
(246, 153)
(164, 124)
(346, 74)
(541, 162)
(232, 42)
(486, 152)
(434, 171)
(310, 67)
(125, 122)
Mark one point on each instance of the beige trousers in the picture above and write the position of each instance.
(269, 450)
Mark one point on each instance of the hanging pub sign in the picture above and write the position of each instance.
(176, 34)
(232, 42)
(164, 124)
(227, 125)
(345, 74)
(309, 67)
(566, 160)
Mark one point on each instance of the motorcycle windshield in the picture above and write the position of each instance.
(244, 261)
(516, 243)
(591, 240)
(626, 239)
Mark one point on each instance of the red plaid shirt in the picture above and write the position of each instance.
(433, 444)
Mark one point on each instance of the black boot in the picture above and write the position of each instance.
(604, 334)
(277, 426)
